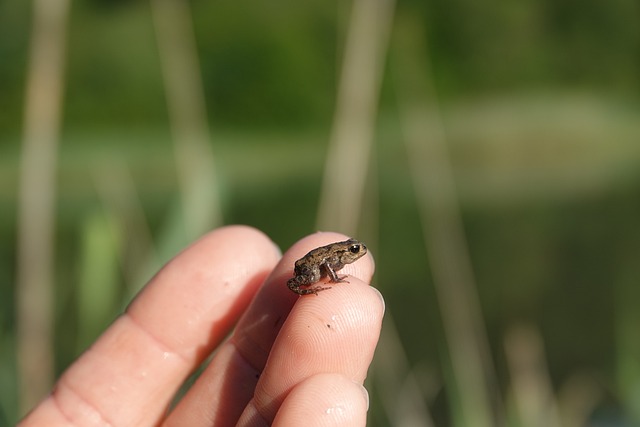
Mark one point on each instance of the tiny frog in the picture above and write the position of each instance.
(322, 262)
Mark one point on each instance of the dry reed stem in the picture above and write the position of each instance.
(531, 386)
(187, 113)
(354, 121)
(36, 205)
(578, 398)
(402, 398)
(448, 255)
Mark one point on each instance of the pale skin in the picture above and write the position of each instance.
(290, 361)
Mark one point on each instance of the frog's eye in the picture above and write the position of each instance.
(354, 249)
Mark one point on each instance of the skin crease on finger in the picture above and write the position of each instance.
(181, 316)
(337, 334)
(323, 400)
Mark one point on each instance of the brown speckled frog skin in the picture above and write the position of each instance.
(324, 262)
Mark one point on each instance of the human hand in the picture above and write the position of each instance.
(290, 360)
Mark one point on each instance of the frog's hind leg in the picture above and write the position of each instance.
(295, 287)
(313, 290)
(309, 291)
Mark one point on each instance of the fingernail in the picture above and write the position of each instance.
(381, 299)
(365, 393)
(277, 249)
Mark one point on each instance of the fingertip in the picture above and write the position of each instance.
(336, 331)
(196, 297)
(238, 233)
(325, 399)
(355, 305)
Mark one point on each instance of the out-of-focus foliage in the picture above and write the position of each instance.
(540, 101)
(276, 64)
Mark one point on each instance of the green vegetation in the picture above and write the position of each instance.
(540, 106)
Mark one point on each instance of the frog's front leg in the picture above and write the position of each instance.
(333, 276)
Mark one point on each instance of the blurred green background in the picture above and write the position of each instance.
(539, 103)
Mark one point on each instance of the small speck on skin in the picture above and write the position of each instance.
(328, 326)
(335, 410)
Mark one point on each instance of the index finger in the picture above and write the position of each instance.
(129, 376)
(334, 332)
